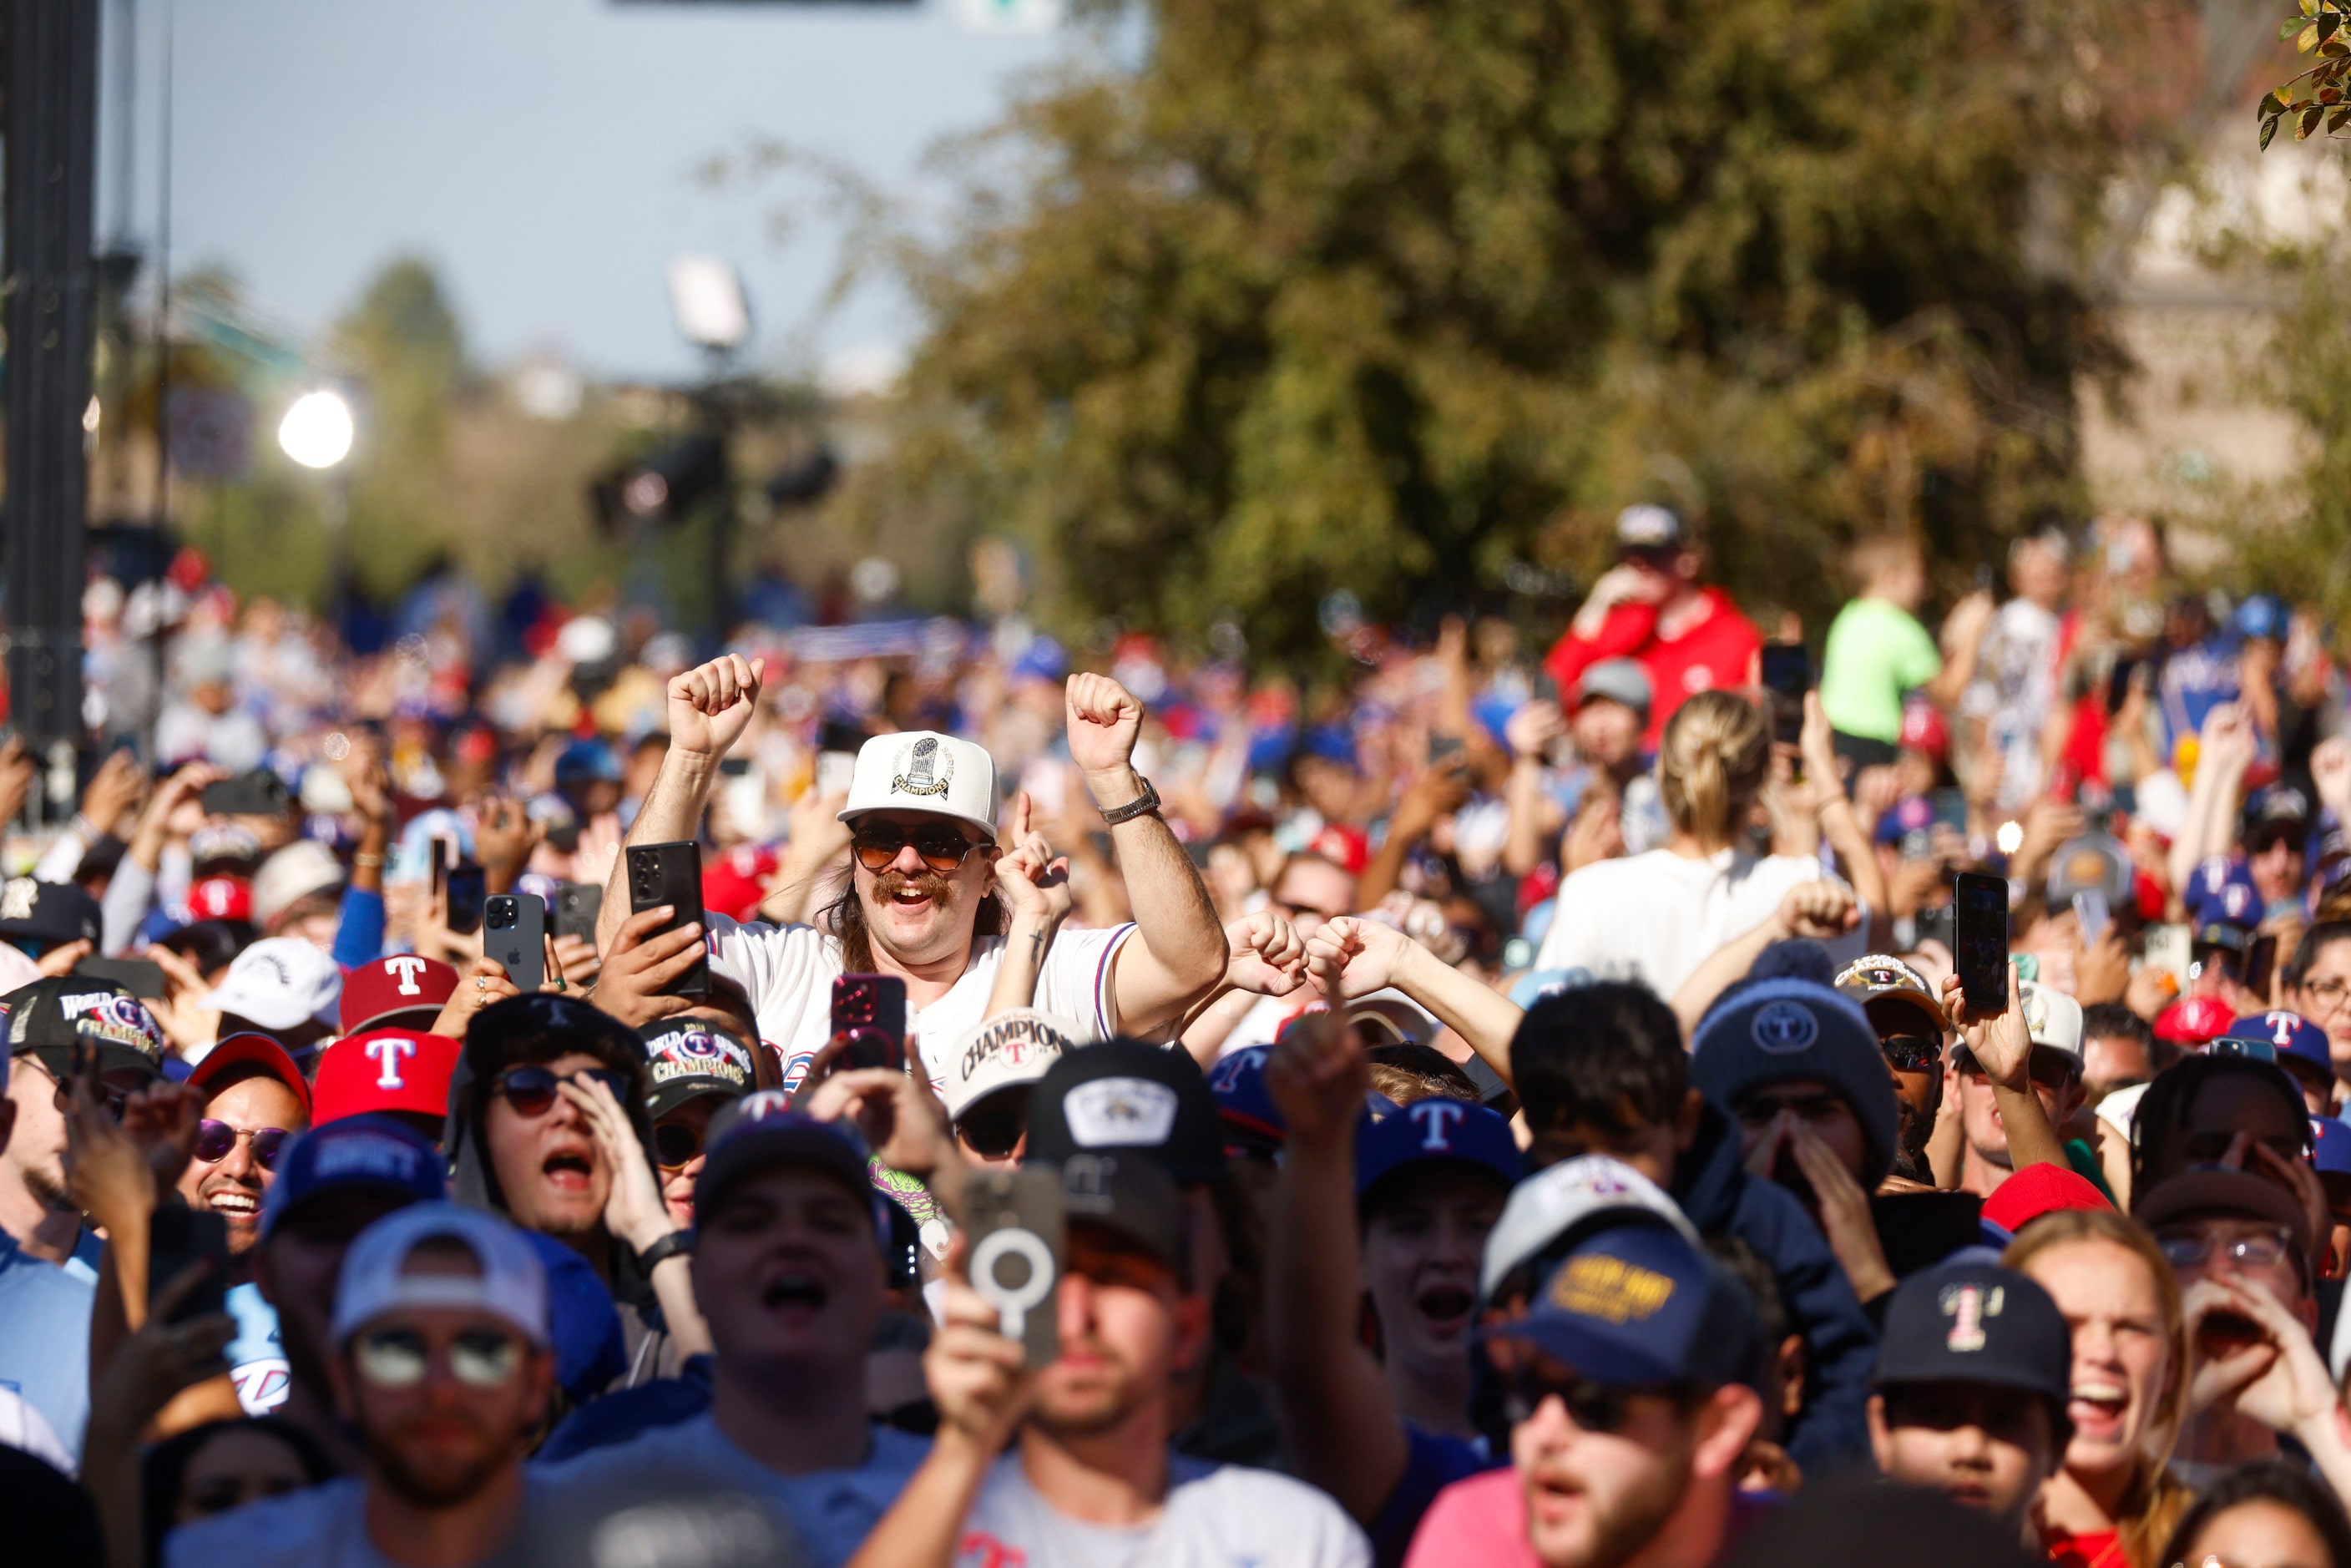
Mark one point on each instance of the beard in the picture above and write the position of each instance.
(441, 1487)
(1628, 1523)
(48, 1191)
(1106, 1399)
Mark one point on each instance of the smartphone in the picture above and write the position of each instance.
(2169, 951)
(259, 793)
(1546, 686)
(467, 886)
(2260, 963)
(2119, 683)
(834, 769)
(1787, 676)
(1979, 939)
(1920, 1229)
(1441, 746)
(514, 932)
(744, 786)
(1015, 1262)
(672, 875)
(177, 1237)
(871, 1009)
(577, 906)
(2091, 911)
(139, 977)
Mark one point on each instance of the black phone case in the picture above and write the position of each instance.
(514, 932)
(1980, 940)
(1025, 1207)
(871, 1009)
(671, 874)
(257, 794)
(577, 906)
(468, 888)
(177, 1237)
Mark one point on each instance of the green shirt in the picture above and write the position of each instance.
(1876, 652)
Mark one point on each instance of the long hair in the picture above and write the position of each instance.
(2152, 1501)
(844, 917)
(1711, 765)
(2271, 1481)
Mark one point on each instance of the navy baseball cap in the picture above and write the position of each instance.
(1976, 1323)
(1436, 1129)
(2330, 1145)
(762, 1130)
(2293, 1037)
(1253, 1122)
(1639, 1305)
(373, 1151)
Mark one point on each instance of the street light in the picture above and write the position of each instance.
(316, 432)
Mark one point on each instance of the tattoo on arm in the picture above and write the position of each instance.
(1036, 947)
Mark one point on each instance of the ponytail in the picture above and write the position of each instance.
(1711, 766)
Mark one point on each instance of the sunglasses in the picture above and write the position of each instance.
(113, 1098)
(1912, 1053)
(401, 1358)
(993, 1131)
(2187, 1249)
(941, 848)
(531, 1091)
(674, 1144)
(216, 1139)
(2049, 1070)
(1599, 1409)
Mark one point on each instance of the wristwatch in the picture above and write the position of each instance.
(1143, 805)
(663, 1250)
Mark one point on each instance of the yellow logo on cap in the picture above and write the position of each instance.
(1610, 1288)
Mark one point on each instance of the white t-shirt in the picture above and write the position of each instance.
(1655, 917)
(324, 1526)
(1225, 1516)
(789, 972)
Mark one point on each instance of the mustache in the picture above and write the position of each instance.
(929, 883)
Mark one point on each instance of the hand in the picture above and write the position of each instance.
(162, 1358)
(1819, 909)
(1999, 1041)
(1266, 957)
(184, 1024)
(1353, 957)
(644, 959)
(2288, 1387)
(634, 1212)
(106, 1174)
(1966, 622)
(17, 774)
(575, 960)
(816, 835)
(977, 1380)
(181, 787)
(1816, 744)
(1103, 722)
(2102, 970)
(2227, 743)
(1625, 584)
(2299, 1177)
(1844, 1211)
(1035, 884)
(161, 1119)
(2330, 774)
(364, 776)
(599, 851)
(899, 1117)
(112, 791)
(710, 705)
(503, 840)
(1598, 833)
(1318, 1079)
(480, 984)
(1440, 790)
(1533, 728)
(1912, 880)
(2047, 825)
(63, 958)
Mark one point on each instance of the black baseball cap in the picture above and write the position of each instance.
(50, 1017)
(1126, 1094)
(689, 1057)
(1131, 1193)
(47, 912)
(1976, 1323)
(761, 1131)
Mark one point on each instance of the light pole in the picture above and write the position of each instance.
(316, 432)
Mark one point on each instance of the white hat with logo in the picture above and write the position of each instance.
(277, 983)
(922, 770)
(1010, 1049)
(510, 1283)
(2051, 1017)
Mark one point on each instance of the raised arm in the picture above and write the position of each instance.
(1821, 909)
(1036, 886)
(1178, 951)
(2002, 1047)
(709, 707)
(1353, 957)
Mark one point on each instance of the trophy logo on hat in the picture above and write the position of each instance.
(920, 762)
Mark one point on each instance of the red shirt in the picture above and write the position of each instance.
(2099, 1549)
(1719, 648)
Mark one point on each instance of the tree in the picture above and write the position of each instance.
(1383, 296)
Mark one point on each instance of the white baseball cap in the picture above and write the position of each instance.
(1010, 1049)
(511, 1286)
(922, 770)
(1559, 1198)
(280, 982)
(302, 868)
(2051, 1017)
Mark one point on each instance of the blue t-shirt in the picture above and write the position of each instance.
(44, 1339)
(256, 1356)
(834, 1510)
(1432, 1461)
(2194, 682)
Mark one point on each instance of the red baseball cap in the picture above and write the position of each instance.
(2037, 1190)
(2194, 1020)
(385, 1070)
(386, 993)
(733, 883)
(221, 898)
(256, 1049)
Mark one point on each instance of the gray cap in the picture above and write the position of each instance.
(1619, 681)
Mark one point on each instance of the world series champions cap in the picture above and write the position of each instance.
(922, 770)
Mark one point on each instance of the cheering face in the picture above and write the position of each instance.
(234, 1184)
(789, 1271)
(1421, 1249)
(547, 1163)
(1594, 1499)
(2123, 1361)
(1982, 1446)
(919, 909)
(2259, 1534)
(1125, 1329)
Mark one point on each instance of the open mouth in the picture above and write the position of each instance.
(2098, 1405)
(567, 1170)
(233, 1204)
(1447, 1307)
(795, 1292)
(910, 893)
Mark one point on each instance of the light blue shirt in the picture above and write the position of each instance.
(44, 1339)
(256, 1356)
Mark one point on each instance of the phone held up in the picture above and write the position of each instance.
(514, 932)
(1017, 1248)
(1787, 676)
(672, 875)
(1980, 940)
(871, 1011)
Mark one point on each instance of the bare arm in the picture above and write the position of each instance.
(1037, 887)
(1962, 640)
(1441, 788)
(1819, 909)
(1267, 959)
(1353, 957)
(2002, 1047)
(709, 708)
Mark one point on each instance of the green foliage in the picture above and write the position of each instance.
(2315, 94)
(1383, 296)
(2304, 551)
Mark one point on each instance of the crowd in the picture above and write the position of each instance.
(1511, 1104)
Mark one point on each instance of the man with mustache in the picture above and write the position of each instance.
(920, 904)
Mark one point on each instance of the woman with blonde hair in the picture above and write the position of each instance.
(1655, 917)
(2112, 1504)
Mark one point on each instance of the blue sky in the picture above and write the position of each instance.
(542, 153)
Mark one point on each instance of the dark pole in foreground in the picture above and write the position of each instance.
(52, 130)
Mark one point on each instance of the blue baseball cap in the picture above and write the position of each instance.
(1436, 1129)
(1641, 1305)
(1238, 1081)
(1976, 1323)
(2294, 1038)
(2330, 1145)
(587, 762)
(762, 1130)
(2220, 892)
(374, 1152)
(2260, 615)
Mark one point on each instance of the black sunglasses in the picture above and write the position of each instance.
(1912, 1053)
(530, 1091)
(1599, 1409)
(941, 848)
(2049, 1069)
(674, 1144)
(993, 1131)
(216, 1139)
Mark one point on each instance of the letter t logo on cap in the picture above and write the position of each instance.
(388, 1052)
(1437, 1118)
(407, 966)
